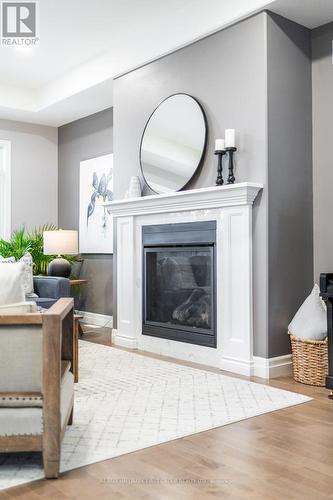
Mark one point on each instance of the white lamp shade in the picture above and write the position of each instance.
(60, 242)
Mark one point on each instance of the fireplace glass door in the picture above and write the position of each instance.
(179, 293)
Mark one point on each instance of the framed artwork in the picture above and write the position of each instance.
(96, 187)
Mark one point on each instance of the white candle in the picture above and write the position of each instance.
(219, 145)
(230, 138)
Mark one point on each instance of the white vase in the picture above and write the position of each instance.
(134, 190)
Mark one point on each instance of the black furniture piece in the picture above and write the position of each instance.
(49, 289)
(326, 292)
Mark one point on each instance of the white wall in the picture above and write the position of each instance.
(5, 189)
(34, 172)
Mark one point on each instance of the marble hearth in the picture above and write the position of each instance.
(230, 207)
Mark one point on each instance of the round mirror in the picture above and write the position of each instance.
(173, 143)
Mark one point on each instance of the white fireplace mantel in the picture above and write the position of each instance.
(243, 193)
(231, 208)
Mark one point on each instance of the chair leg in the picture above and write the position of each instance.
(51, 467)
(80, 329)
(70, 420)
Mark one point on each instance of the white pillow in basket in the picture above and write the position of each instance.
(310, 320)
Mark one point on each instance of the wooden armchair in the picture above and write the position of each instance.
(36, 381)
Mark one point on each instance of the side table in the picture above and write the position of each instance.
(78, 282)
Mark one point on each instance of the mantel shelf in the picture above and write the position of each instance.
(243, 193)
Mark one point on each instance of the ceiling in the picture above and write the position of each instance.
(84, 45)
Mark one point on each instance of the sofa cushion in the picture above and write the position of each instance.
(44, 302)
(21, 421)
(29, 420)
(51, 287)
(11, 280)
(21, 358)
(66, 396)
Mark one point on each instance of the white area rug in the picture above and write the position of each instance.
(125, 401)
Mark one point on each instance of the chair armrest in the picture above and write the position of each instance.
(51, 287)
(59, 319)
(61, 308)
(21, 319)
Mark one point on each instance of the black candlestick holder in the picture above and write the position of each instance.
(220, 154)
(230, 151)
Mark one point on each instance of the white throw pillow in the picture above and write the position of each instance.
(310, 320)
(11, 283)
(28, 280)
(7, 260)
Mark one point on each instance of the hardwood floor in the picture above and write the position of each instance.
(286, 454)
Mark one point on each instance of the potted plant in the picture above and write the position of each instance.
(23, 242)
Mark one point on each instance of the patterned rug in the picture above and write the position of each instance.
(125, 402)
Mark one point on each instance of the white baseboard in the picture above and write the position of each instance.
(280, 366)
(123, 341)
(267, 368)
(96, 319)
(237, 366)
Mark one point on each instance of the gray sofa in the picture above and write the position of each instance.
(49, 289)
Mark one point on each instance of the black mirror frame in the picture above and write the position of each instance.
(200, 163)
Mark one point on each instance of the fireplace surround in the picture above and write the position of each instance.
(230, 208)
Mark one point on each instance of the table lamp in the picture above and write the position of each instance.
(60, 243)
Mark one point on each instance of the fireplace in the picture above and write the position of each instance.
(215, 219)
(179, 286)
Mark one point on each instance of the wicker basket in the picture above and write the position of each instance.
(310, 360)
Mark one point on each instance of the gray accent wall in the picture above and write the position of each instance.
(254, 76)
(289, 127)
(81, 140)
(34, 172)
(322, 96)
(226, 73)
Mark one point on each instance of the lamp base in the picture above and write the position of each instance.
(59, 267)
